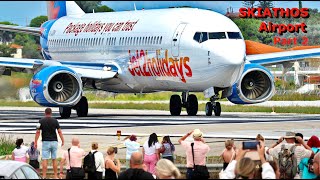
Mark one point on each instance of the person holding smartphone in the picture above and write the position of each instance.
(245, 167)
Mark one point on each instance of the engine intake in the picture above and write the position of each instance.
(56, 86)
(256, 85)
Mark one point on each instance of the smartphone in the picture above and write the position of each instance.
(250, 145)
(115, 150)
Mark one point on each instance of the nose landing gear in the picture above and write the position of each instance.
(213, 106)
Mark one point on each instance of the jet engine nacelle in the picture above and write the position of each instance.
(255, 85)
(56, 86)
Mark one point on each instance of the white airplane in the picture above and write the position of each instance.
(182, 50)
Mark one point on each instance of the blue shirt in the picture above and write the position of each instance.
(303, 166)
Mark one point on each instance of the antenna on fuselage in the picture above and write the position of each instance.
(134, 5)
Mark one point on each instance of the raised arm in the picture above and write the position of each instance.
(184, 137)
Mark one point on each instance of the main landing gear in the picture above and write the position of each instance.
(190, 102)
(213, 106)
(81, 108)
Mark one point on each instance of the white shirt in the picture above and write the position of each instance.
(151, 150)
(21, 152)
(229, 172)
(132, 146)
(99, 160)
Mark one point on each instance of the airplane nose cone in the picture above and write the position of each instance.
(232, 53)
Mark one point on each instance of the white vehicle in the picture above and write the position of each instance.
(182, 50)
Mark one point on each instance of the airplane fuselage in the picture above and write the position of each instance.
(155, 50)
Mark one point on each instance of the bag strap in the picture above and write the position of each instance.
(95, 160)
(192, 144)
(69, 157)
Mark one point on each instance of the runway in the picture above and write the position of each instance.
(102, 124)
(26, 119)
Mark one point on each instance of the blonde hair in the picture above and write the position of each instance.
(111, 150)
(260, 137)
(94, 145)
(245, 168)
(229, 143)
(166, 168)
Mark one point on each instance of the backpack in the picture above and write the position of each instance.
(287, 162)
(89, 163)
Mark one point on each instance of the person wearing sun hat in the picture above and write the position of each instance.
(302, 151)
(200, 150)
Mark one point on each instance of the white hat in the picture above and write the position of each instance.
(197, 133)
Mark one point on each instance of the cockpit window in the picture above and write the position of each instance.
(200, 37)
(217, 35)
(234, 35)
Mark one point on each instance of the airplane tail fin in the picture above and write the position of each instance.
(58, 9)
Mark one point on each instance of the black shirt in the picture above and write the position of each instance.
(135, 174)
(48, 125)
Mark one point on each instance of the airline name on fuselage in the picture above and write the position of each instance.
(142, 65)
(99, 27)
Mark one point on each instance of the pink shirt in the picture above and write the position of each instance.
(76, 156)
(200, 152)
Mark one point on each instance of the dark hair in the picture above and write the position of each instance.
(300, 135)
(18, 143)
(48, 111)
(32, 148)
(167, 139)
(153, 138)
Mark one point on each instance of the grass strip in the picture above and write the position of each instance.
(165, 107)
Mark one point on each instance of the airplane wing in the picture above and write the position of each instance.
(28, 30)
(84, 70)
(283, 57)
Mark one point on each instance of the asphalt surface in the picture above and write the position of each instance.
(102, 125)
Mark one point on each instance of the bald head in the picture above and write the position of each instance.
(75, 141)
(136, 160)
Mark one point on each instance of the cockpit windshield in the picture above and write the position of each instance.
(234, 35)
(204, 36)
(217, 35)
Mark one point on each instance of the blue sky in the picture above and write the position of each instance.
(21, 12)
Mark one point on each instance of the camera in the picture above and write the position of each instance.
(250, 145)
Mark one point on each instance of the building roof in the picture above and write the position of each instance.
(232, 14)
(16, 46)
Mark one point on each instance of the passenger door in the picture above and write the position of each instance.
(175, 43)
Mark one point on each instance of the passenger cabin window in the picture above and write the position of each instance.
(217, 35)
(234, 35)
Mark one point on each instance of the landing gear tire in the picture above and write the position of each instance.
(65, 112)
(175, 105)
(192, 105)
(82, 107)
(217, 109)
(209, 109)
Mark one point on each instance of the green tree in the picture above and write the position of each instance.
(30, 50)
(37, 21)
(88, 6)
(249, 29)
(249, 4)
(23, 39)
(300, 4)
(103, 8)
(265, 4)
(6, 51)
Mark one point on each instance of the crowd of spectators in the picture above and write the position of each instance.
(290, 157)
